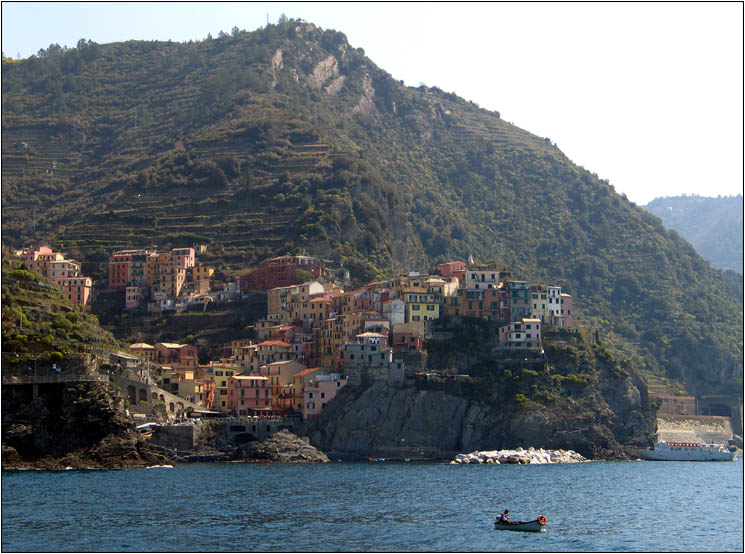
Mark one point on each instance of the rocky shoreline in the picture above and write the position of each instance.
(128, 451)
(520, 456)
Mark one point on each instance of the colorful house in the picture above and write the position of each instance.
(249, 394)
(525, 333)
(281, 271)
(453, 269)
(76, 289)
(320, 391)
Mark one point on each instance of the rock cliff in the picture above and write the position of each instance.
(581, 399)
(78, 426)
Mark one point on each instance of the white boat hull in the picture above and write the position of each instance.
(687, 452)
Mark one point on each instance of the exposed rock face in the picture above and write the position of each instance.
(79, 426)
(411, 422)
(282, 446)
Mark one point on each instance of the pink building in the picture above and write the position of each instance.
(453, 269)
(76, 289)
(567, 309)
(40, 260)
(183, 257)
(134, 296)
(249, 394)
(319, 392)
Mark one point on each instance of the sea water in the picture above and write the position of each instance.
(373, 506)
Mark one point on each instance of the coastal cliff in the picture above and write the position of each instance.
(579, 398)
(71, 425)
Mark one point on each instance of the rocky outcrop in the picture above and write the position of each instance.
(421, 422)
(71, 426)
(282, 446)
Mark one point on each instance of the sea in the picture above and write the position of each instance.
(634, 506)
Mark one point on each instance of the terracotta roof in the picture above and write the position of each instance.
(261, 377)
(308, 371)
(171, 345)
(274, 343)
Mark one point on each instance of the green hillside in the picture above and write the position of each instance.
(40, 326)
(712, 225)
(288, 138)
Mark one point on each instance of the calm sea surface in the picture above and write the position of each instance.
(598, 506)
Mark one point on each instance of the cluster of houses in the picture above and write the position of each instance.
(66, 273)
(160, 281)
(317, 337)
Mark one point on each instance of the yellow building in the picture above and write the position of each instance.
(220, 374)
(421, 305)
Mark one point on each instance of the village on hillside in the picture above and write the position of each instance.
(315, 338)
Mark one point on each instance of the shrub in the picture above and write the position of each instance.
(56, 356)
(521, 400)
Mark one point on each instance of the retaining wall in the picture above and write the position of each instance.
(716, 429)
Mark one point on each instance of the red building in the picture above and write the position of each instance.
(119, 265)
(281, 272)
(453, 269)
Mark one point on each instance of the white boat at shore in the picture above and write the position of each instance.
(687, 452)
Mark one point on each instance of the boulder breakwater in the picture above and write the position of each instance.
(520, 456)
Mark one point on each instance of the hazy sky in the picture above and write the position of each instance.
(648, 96)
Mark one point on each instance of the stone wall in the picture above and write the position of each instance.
(716, 429)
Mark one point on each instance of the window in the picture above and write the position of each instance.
(415, 318)
(323, 395)
(310, 395)
(415, 307)
(430, 308)
(527, 326)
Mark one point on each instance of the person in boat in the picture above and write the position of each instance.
(505, 517)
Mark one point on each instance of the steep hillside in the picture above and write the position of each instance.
(289, 138)
(712, 225)
(41, 327)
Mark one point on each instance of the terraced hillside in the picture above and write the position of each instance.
(289, 138)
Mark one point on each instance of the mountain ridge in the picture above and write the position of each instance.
(288, 138)
(712, 225)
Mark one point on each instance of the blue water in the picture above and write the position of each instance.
(612, 506)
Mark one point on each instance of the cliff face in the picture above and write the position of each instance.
(382, 421)
(581, 399)
(80, 426)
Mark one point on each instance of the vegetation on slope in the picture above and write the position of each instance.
(288, 138)
(40, 326)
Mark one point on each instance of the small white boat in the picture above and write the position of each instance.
(687, 452)
(535, 526)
